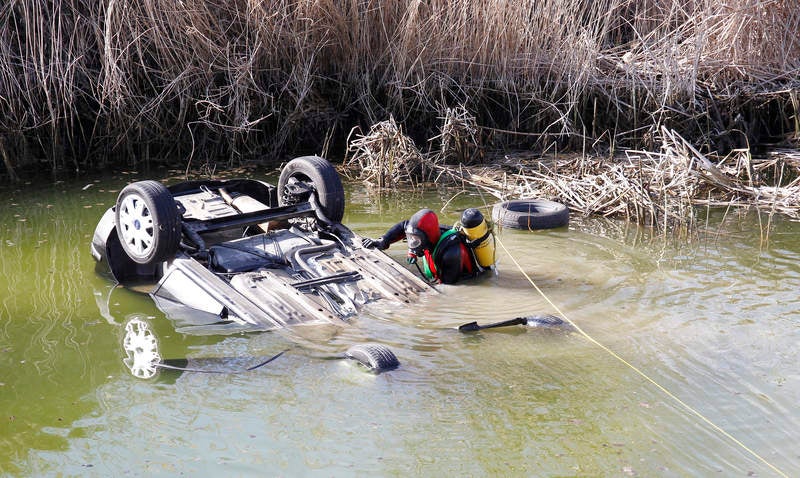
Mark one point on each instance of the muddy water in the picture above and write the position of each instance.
(712, 323)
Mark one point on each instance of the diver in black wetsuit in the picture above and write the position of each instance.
(441, 251)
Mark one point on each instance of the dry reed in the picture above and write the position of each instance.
(459, 140)
(87, 83)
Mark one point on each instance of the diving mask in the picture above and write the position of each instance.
(414, 242)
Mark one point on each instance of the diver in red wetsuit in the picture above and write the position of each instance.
(441, 253)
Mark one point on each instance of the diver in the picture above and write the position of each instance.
(446, 254)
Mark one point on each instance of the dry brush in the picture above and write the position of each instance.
(88, 83)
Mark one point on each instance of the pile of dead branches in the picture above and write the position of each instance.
(658, 189)
(385, 156)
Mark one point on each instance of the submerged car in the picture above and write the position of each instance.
(242, 254)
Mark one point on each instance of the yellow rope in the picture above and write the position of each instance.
(641, 373)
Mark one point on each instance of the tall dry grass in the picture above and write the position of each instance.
(87, 83)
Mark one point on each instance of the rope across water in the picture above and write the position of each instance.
(683, 404)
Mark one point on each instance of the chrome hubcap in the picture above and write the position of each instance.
(136, 225)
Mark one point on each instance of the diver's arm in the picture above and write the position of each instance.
(394, 234)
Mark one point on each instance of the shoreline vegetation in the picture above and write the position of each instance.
(661, 190)
(640, 109)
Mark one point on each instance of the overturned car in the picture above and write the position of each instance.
(250, 255)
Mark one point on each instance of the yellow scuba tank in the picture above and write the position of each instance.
(479, 237)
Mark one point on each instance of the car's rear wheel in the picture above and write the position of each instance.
(318, 174)
(376, 358)
(148, 222)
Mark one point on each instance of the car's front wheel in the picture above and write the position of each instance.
(148, 222)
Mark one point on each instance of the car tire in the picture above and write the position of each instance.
(320, 174)
(530, 214)
(376, 358)
(148, 222)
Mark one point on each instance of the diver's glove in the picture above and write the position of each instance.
(378, 243)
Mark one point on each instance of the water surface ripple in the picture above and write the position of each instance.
(714, 319)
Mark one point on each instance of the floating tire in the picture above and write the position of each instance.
(530, 214)
(148, 222)
(376, 358)
(321, 176)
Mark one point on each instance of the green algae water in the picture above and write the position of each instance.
(714, 319)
